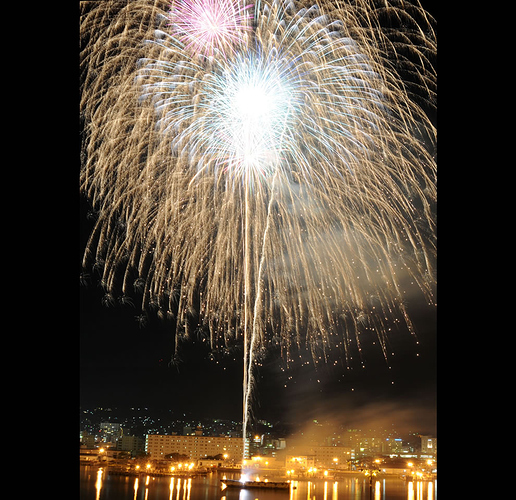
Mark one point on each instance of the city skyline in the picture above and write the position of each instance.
(141, 421)
(196, 439)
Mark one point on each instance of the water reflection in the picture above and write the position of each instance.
(178, 488)
(362, 489)
(377, 490)
(135, 488)
(98, 484)
(416, 491)
(147, 481)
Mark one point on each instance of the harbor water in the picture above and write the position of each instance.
(96, 483)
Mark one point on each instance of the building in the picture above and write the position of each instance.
(299, 463)
(134, 444)
(320, 456)
(392, 446)
(332, 456)
(97, 454)
(88, 455)
(195, 447)
(110, 432)
(428, 446)
(88, 440)
(279, 444)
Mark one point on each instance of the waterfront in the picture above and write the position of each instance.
(97, 484)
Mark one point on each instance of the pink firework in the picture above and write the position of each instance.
(208, 25)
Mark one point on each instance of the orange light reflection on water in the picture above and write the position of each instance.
(172, 480)
(416, 490)
(377, 490)
(188, 488)
(180, 489)
(135, 488)
(98, 484)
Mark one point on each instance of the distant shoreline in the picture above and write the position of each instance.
(117, 469)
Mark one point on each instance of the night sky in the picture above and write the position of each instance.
(123, 365)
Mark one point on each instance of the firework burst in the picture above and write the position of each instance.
(209, 26)
(273, 185)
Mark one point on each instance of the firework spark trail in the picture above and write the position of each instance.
(276, 188)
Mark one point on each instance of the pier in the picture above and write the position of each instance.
(120, 471)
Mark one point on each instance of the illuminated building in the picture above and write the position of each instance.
(299, 462)
(110, 432)
(195, 447)
(392, 446)
(428, 446)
